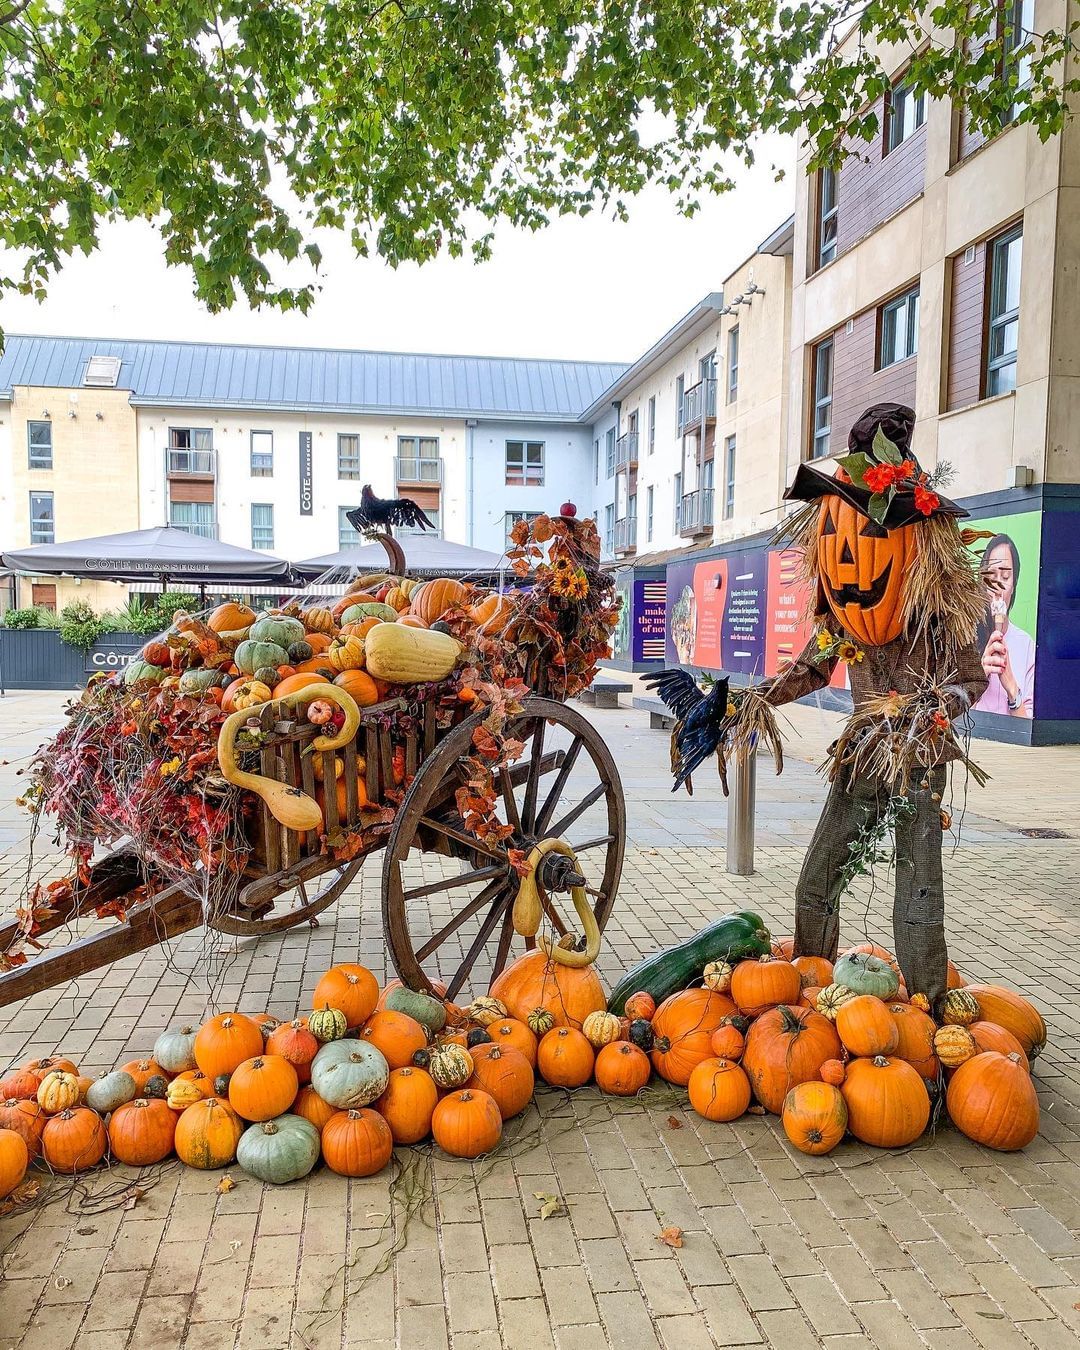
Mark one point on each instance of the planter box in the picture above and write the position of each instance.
(36, 658)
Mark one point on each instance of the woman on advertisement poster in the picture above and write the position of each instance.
(1008, 653)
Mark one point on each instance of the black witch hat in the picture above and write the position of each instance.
(884, 480)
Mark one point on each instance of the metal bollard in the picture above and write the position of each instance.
(740, 832)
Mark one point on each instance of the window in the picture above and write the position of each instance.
(262, 525)
(631, 507)
(609, 447)
(596, 473)
(733, 364)
(42, 523)
(1004, 317)
(418, 459)
(43, 594)
(609, 528)
(1019, 22)
(262, 454)
(191, 450)
(680, 385)
(195, 517)
(348, 456)
(821, 379)
(652, 424)
(512, 517)
(648, 514)
(678, 502)
(348, 536)
(525, 463)
(102, 372)
(432, 513)
(39, 444)
(905, 112)
(828, 215)
(729, 477)
(899, 329)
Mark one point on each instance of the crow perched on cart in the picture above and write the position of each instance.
(375, 513)
(700, 729)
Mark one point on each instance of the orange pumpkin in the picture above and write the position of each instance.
(467, 1123)
(14, 1160)
(357, 1143)
(887, 1103)
(74, 1140)
(989, 1036)
(412, 621)
(360, 685)
(230, 618)
(505, 1074)
(815, 1117)
(719, 1090)
(318, 642)
(508, 1031)
(198, 1080)
(312, 1107)
(565, 1058)
(293, 1042)
(813, 970)
(408, 1103)
(263, 1087)
(783, 947)
(622, 1069)
(351, 988)
(862, 569)
(26, 1118)
(396, 1034)
(207, 1134)
(300, 680)
(682, 1031)
(317, 665)
(915, 1038)
(765, 983)
(19, 1084)
(866, 1027)
(784, 1047)
(833, 1071)
(41, 1067)
(226, 1041)
(727, 1042)
(569, 993)
(492, 614)
(1006, 1009)
(640, 1006)
(431, 600)
(141, 1132)
(992, 1100)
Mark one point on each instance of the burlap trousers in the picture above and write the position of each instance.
(853, 806)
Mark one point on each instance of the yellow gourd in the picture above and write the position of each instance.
(346, 653)
(288, 805)
(528, 909)
(251, 693)
(404, 655)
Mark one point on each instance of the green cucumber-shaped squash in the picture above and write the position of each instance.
(731, 938)
(422, 1008)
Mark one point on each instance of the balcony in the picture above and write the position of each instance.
(626, 535)
(206, 529)
(696, 516)
(191, 463)
(626, 450)
(699, 404)
(412, 470)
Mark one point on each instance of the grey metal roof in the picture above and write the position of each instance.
(219, 375)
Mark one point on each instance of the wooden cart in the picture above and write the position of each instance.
(447, 897)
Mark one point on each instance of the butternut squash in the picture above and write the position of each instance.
(403, 655)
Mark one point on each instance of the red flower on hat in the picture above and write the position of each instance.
(880, 477)
(926, 501)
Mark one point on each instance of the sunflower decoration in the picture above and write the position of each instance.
(831, 644)
(569, 582)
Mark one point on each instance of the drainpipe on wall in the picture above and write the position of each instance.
(470, 427)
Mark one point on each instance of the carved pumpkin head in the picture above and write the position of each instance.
(862, 567)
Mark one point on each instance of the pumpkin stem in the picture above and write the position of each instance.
(269, 1127)
(789, 1018)
(880, 1062)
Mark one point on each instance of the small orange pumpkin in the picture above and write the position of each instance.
(565, 1058)
(351, 988)
(467, 1123)
(408, 1103)
(74, 1140)
(357, 1143)
(141, 1132)
(622, 1069)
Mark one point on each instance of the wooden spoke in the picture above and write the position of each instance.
(507, 783)
(456, 832)
(506, 936)
(452, 883)
(502, 901)
(528, 814)
(552, 799)
(437, 939)
(564, 824)
(599, 842)
(552, 913)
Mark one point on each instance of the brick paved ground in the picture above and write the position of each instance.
(945, 1245)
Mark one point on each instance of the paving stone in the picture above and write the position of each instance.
(569, 1296)
(609, 1269)
(886, 1328)
(789, 1330)
(762, 1288)
(470, 1302)
(514, 1272)
(524, 1325)
(922, 1306)
(728, 1316)
(627, 1323)
(665, 1289)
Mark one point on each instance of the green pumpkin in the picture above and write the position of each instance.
(157, 1085)
(278, 629)
(280, 1150)
(866, 974)
(267, 675)
(136, 671)
(175, 1050)
(369, 609)
(199, 681)
(250, 656)
(300, 651)
(422, 1008)
(349, 1074)
(327, 1024)
(111, 1091)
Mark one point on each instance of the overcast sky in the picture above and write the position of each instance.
(588, 289)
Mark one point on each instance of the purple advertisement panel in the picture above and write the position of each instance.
(717, 613)
(649, 620)
(1057, 687)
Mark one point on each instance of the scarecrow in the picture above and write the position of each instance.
(897, 598)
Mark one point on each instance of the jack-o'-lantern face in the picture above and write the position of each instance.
(862, 567)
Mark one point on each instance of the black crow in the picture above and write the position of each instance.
(700, 728)
(375, 513)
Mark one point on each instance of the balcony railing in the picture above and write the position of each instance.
(696, 516)
(411, 469)
(626, 534)
(207, 529)
(191, 463)
(699, 403)
(626, 450)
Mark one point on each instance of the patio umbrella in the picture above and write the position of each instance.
(164, 553)
(424, 555)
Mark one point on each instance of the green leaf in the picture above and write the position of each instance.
(856, 465)
(885, 450)
(878, 505)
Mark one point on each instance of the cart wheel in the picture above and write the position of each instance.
(452, 922)
(305, 907)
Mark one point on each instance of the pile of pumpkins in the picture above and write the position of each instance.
(832, 1049)
(392, 632)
